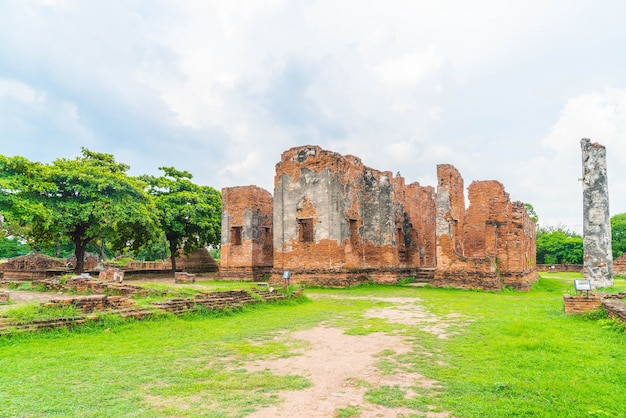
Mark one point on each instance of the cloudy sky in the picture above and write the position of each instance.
(502, 90)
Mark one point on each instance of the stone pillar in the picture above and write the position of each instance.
(598, 258)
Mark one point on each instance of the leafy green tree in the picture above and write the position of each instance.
(12, 247)
(559, 246)
(156, 250)
(189, 214)
(618, 234)
(83, 199)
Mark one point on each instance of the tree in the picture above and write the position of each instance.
(11, 247)
(189, 214)
(559, 246)
(618, 234)
(82, 199)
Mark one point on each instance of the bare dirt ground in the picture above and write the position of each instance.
(24, 297)
(341, 366)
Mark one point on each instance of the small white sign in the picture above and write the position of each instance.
(582, 284)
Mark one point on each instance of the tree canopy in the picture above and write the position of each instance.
(85, 198)
(559, 246)
(189, 214)
(618, 234)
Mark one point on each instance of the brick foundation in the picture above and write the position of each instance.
(619, 265)
(184, 277)
(561, 268)
(582, 304)
(346, 277)
(615, 307)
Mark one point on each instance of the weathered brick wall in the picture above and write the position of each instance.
(111, 274)
(570, 268)
(450, 216)
(336, 220)
(489, 245)
(332, 213)
(246, 231)
(199, 261)
(615, 306)
(619, 265)
(581, 304)
(32, 262)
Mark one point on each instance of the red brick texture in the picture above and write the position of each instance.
(247, 248)
(581, 304)
(619, 265)
(337, 222)
(488, 246)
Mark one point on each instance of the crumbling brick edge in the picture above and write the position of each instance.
(613, 304)
(94, 305)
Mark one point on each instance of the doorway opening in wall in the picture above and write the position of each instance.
(403, 251)
(305, 230)
(235, 235)
(354, 231)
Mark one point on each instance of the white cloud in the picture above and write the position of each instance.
(410, 70)
(554, 177)
(20, 91)
(221, 88)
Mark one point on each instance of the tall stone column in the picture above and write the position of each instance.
(598, 257)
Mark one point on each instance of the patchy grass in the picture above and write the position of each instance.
(29, 313)
(508, 354)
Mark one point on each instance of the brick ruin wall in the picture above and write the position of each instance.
(337, 222)
(489, 245)
(619, 265)
(561, 268)
(341, 219)
(32, 262)
(246, 245)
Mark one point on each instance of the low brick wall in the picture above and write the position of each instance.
(4, 296)
(87, 285)
(92, 303)
(581, 304)
(111, 274)
(346, 277)
(183, 277)
(126, 309)
(561, 268)
(615, 308)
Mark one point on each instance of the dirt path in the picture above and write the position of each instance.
(338, 365)
(23, 297)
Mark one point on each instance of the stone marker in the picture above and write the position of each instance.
(598, 257)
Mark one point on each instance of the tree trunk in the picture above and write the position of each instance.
(173, 254)
(101, 248)
(79, 252)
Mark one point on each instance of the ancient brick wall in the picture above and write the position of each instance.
(619, 265)
(246, 246)
(581, 304)
(489, 245)
(338, 222)
(561, 268)
(32, 262)
(198, 261)
(334, 214)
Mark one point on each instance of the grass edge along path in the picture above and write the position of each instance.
(519, 356)
(522, 356)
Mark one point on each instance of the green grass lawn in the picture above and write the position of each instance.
(517, 354)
